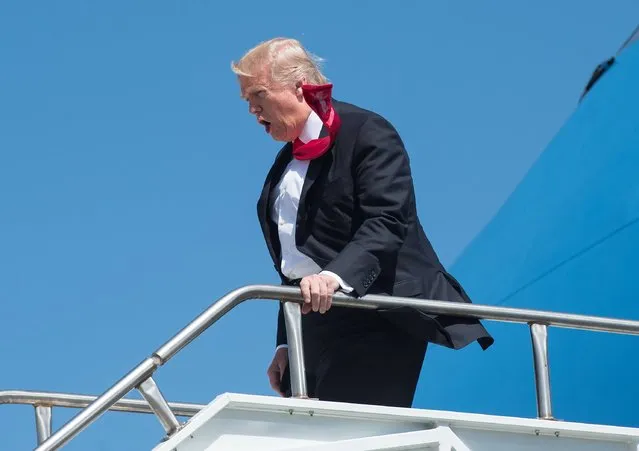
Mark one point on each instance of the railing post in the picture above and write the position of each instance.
(539, 335)
(43, 422)
(293, 319)
(151, 392)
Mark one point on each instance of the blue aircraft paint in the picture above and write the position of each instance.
(567, 239)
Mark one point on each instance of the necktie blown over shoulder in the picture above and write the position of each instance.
(318, 97)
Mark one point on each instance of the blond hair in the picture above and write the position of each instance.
(289, 62)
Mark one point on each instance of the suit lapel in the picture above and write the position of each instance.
(264, 206)
(264, 203)
(314, 170)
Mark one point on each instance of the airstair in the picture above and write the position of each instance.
(247, 422)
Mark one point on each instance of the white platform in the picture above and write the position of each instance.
(245, 422)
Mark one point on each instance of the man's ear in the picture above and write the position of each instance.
(298, 89)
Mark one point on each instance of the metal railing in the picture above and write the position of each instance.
(44, 402)
(140, 376)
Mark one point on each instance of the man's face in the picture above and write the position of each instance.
(281, 110)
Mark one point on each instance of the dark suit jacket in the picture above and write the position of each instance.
(357, 218)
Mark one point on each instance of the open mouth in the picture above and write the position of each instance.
(266, 124)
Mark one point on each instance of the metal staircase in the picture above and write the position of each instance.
(241, 422)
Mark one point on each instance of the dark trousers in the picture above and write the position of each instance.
(356, 356)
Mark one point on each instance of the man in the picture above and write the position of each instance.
(338, 213)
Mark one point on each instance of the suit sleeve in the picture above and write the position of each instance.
(384, 196)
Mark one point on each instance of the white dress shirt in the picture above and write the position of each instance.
(285, 201)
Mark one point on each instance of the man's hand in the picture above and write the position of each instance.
(318, 290)
(276, 369)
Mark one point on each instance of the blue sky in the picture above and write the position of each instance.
(130, 169)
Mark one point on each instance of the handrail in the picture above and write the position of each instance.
(43, 402)
(77, 401)
(538, 320)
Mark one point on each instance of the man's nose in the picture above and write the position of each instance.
(254, 109)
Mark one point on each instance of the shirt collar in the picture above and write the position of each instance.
(312, 128)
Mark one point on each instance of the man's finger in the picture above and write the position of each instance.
(315, 293)
(323, 296)
(305, 287)
(275, 378)
(329, 298)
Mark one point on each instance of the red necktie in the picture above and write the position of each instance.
(318, 97)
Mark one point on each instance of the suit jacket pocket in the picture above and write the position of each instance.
(408, 288)
(419, 324)
(448, 331)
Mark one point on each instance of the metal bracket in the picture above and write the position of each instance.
(152, 394)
